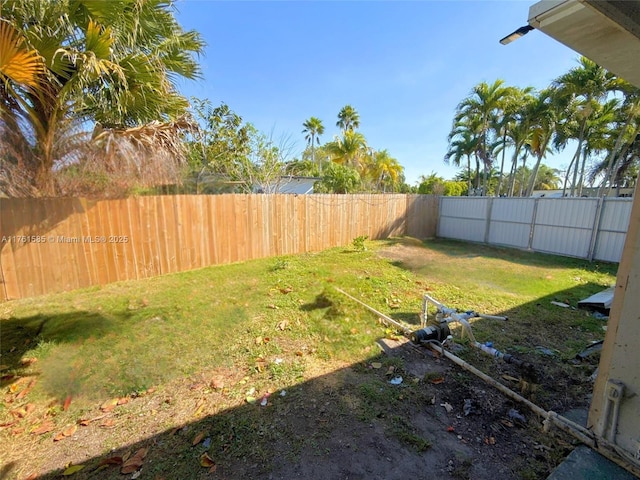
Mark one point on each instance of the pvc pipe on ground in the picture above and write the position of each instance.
(601, 445)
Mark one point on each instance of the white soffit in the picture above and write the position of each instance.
(607, 32)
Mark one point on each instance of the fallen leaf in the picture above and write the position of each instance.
(376, 365)
(24, 392)
(18, 413)
(354, 331)
(198, 438)
(490, 440)
(45, 427)
(33, 476)
(67, 402)
(437, 381)
(28, 361)
(390, 370)
(17, 431)
(286, 290)
(29, 407)
(84, 422)
(258, 340)
(108, 423)
(273, 307)
(151, 390)
(134, 463)
(70, 430)
(206, 460)
(122, 401)
(111, 461)
(450, 428)
(282, 325)
(7, 425)
(217, 383)
(109, 405)
(213, 469)
(200, 404)
(72, 469)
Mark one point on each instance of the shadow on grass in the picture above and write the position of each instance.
(350, 423)
(20, 335)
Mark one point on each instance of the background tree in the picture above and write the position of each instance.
(348, 119)
(313, 128)
(85, 63)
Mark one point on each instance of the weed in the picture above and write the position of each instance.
(359, 243)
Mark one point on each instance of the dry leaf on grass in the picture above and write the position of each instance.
(44, 427)
(198, 438)
(107, 423)
(282, 325)
(67, 402)
(24, 392)
(134, 463)
(25, 362)
(109, 405)
(67, 432)
(206, 460)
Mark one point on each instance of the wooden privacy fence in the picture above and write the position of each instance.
(52, 245)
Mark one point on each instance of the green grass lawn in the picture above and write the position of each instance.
(277, 322)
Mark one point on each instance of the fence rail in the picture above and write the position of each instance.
(52, 245)
(591, 228)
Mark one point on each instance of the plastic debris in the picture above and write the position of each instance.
(278, 361)
(467, 406)
(560, 304)
(545, 350)
(207, 443)
(600, 316)
(265, 400)
(395, 381)
(516, 415)
(283, 393)
(447, 406)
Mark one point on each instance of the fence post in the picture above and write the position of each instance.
(487, 227)
(596, 229)
(532, 228)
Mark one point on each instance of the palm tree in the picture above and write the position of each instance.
(582, 88)
(349, 150)
(313, 128)
(541, 115)
(483, 107)
(348, 119)
(462, 143)
(111, 64)
(385, 170)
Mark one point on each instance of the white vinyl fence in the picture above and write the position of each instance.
(591, 228)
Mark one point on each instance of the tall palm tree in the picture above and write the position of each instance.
(111, 64)
(462, 143)
(541, 114)
(313, 128)
(348, 119)
(483, 106)
(584, 86)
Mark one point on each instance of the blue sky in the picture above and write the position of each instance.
(403, 65)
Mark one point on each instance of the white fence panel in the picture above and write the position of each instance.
(612, 230)
(510, 223)
(565, 226)
(578, 227)
(463, 218)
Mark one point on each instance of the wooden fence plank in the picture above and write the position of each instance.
(85, 240)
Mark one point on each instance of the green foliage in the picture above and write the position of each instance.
(435, 185)
(110, 63)
(338, 179)
(358, 243)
